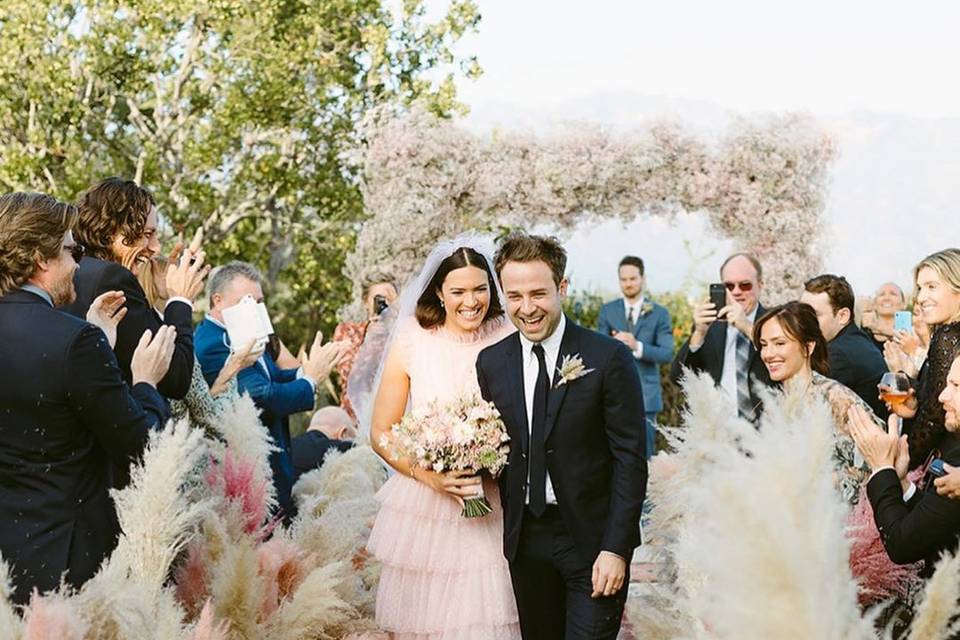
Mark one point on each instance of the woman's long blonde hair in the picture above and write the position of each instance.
(947, 265)
(148, 276)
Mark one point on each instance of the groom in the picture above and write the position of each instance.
(574, 486)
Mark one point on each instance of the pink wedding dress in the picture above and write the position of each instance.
(443, 576)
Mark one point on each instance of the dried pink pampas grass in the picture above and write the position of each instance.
(52, 617)
(878, 578)
(239, 481)
(192, 579)
(206, 629)
(283, 566)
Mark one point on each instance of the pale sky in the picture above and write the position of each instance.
(881, 75)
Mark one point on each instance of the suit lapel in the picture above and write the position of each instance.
(569, 345)
(515, 384)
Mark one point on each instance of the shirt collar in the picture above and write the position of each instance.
(216, 322)
(552, 343)
(637, 305)
(32, 288)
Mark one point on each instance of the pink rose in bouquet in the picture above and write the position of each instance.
(465, 434)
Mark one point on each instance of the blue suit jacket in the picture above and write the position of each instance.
(277, 392)
(654, 330)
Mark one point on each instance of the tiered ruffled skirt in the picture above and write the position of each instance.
(444, 577)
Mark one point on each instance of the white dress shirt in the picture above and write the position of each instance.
(728, 379)
(531, 369)
(635, 308)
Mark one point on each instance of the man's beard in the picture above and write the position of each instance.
(951, 423)
(64, 293)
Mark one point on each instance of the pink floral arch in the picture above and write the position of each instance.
(424, 178)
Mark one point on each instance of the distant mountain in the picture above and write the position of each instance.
(894, 193)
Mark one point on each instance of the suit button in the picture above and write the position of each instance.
(523, 455)
(549, 451)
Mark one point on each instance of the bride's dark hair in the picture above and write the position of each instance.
(429, 311)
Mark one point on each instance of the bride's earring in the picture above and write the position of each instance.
(441, 303)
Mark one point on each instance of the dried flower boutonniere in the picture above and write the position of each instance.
(571, 368)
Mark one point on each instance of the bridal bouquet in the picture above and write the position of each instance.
(465, 434)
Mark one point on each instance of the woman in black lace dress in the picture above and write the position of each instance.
(938, 294)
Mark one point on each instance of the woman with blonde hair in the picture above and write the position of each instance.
(937, 279)
(203, 404)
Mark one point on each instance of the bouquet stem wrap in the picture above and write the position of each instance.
(476, 507)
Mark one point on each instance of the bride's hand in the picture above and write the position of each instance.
(456, 484)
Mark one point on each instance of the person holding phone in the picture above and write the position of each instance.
(879, 321)
(721, 343)
(937, 280)
(378, 293)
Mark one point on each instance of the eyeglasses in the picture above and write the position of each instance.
(76, 252)
(746, 285)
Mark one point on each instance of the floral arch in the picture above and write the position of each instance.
(426, 178)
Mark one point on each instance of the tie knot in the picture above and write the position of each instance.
(538, 351)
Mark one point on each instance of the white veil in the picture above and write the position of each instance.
(364, 379)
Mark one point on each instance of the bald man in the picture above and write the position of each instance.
(331, 429)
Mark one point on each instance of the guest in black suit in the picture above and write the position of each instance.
(118, 228)
(578, 435)
(721, 340)
(854, 360)
(66, 409)
(915, 524)
(331, 429)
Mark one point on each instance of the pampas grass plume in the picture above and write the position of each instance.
(155, 512)
(249, 440)
(52, 617)
(935, 618)
(315, 612)
(206, 629)
(237, 590)
(10, 623)
(238, 480)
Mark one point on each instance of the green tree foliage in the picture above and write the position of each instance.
(236, 114)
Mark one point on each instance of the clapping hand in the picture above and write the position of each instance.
(897, 359)
(322, 358)
(106, 312)
(879, 448)
(185, 276)
(151, 359)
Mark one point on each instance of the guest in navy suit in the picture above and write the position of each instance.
(331, 429)
(277, 392)
(66, 409)
(854, 360)
(644, 326)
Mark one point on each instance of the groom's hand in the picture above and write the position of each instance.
(609, 571)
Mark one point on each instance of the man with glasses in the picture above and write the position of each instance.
(64, 407)
(720, 343)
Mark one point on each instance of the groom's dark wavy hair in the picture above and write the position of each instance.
(430, 313)
(523, 247)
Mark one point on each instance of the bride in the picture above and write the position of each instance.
(443, 576)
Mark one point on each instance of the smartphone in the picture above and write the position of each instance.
(936, 468)
(380, 304)
(718, 295)
(903, 321)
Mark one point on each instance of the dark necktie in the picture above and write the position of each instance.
(538, 462)
(744, 403)
(630, 320)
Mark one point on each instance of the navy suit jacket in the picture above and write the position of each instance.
(95, 277)
(595, 441)
(277, 392)
(654, 330)
(66, 413)
(309, 449)
(922, 528)
(856, 363)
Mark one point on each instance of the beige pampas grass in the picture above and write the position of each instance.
(246, 436)
(236, 590)
(766, 534)
(156, 512)
(356, 473)
(315, 612)
(936, 616)
(205, 628)
(11, 625)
